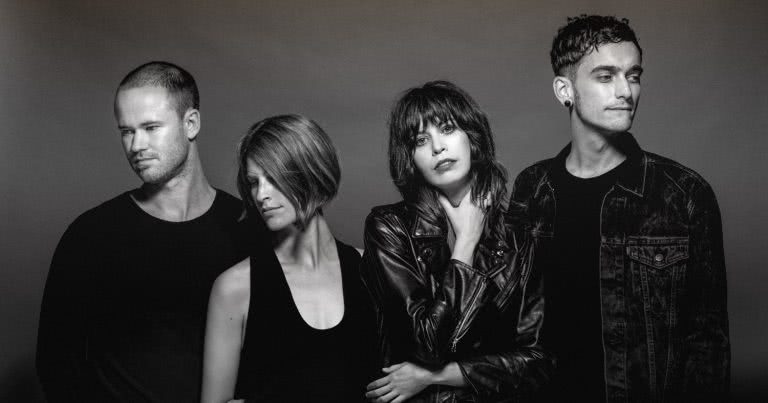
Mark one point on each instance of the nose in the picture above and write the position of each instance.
(139, 141)
(622, 88)
(262, 190)
(437, 145)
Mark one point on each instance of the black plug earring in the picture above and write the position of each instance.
(568, 103)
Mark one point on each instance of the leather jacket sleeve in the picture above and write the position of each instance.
(425, 306)
(526, 366)
(434, 307)
(706, 346)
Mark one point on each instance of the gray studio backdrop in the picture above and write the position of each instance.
(343, 63)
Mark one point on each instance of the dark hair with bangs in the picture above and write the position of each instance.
(298, 158)
(584, 34)
(177, 81)
(438, 102)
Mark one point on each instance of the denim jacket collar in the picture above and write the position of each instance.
(632, 177)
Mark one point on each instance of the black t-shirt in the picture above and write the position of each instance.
(123, 315)
(573, 325)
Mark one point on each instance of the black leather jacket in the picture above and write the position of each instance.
(432, 310)
(662, 276)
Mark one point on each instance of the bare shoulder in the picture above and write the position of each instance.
(233, 286)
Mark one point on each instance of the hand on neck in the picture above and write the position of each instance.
(456, 193)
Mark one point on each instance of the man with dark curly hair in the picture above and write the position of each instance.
(629, 242)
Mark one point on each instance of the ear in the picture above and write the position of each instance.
(191, 122)
(563, 87)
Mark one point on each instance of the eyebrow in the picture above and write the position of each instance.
(142, 124)
(613, 69)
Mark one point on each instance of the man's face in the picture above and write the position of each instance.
(606, 88)
(153, 134)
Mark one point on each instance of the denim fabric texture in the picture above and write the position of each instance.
(662, 276)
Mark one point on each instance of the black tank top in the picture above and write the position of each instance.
(283, 359)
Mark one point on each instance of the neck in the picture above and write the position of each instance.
(309, 247)
(456, 193)
(184, 197)
(592, 154)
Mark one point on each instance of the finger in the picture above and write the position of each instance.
(377, 383)
(388, 397)
(467, 198)
(447, 206)
(399, 399)
(379, 392)
(393, 368)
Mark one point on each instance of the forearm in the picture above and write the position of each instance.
(449, 375)
(425, 303)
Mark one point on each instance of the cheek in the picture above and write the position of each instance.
(421, 161)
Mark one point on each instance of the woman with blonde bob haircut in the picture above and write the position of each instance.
(459, 307)
(292, 323)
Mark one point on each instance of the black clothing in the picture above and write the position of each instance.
(662, 288)
(283, 359)
(124, 308)
(572, 291)
(433, 310)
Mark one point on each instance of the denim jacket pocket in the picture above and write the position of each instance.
(657, 252)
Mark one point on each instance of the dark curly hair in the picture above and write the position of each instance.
(583, 34)
(436, 102)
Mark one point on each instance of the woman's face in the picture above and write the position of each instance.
(442, 155)
(275, 208)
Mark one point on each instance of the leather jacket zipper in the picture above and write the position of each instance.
(463, 322)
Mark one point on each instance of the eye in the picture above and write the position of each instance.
(126, 132)
(634, 78)
(420, 140)
(152, 128)
(604, 78)
(448, 128)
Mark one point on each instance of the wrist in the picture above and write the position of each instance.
(449, 375)
(464, 251)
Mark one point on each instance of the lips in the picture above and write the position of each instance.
(444, 164)
(265, 210)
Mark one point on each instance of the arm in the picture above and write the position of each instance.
(402, 290)
(525, 366)
(224, 333)
(706, 346)
(62, 344)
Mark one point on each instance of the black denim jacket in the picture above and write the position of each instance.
(662, 276)
(432, 309)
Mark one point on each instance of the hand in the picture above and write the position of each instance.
(402, 382)
(467, 221)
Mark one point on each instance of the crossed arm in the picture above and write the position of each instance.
(429, 307)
